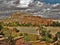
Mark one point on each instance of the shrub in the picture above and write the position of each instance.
(58, 34)
(26, 36)
(16, 29)
(20, 34)
(1, 27)
(55, 24)
(1, 33)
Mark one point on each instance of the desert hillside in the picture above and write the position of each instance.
(24, 18)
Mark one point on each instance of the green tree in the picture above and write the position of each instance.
(58, 35)
(10, 37)
(1, 27)
(26, 36)
(42, 30)
(16, 29)
(45, 34)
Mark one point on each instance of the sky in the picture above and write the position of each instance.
(52, 1)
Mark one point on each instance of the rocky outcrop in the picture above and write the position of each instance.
(24, 18)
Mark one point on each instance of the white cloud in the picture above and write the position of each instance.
(24, 3)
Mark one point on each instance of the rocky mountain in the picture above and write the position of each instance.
(25, 18)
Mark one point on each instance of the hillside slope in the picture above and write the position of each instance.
(24, 18)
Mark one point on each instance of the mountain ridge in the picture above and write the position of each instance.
(24, 18)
